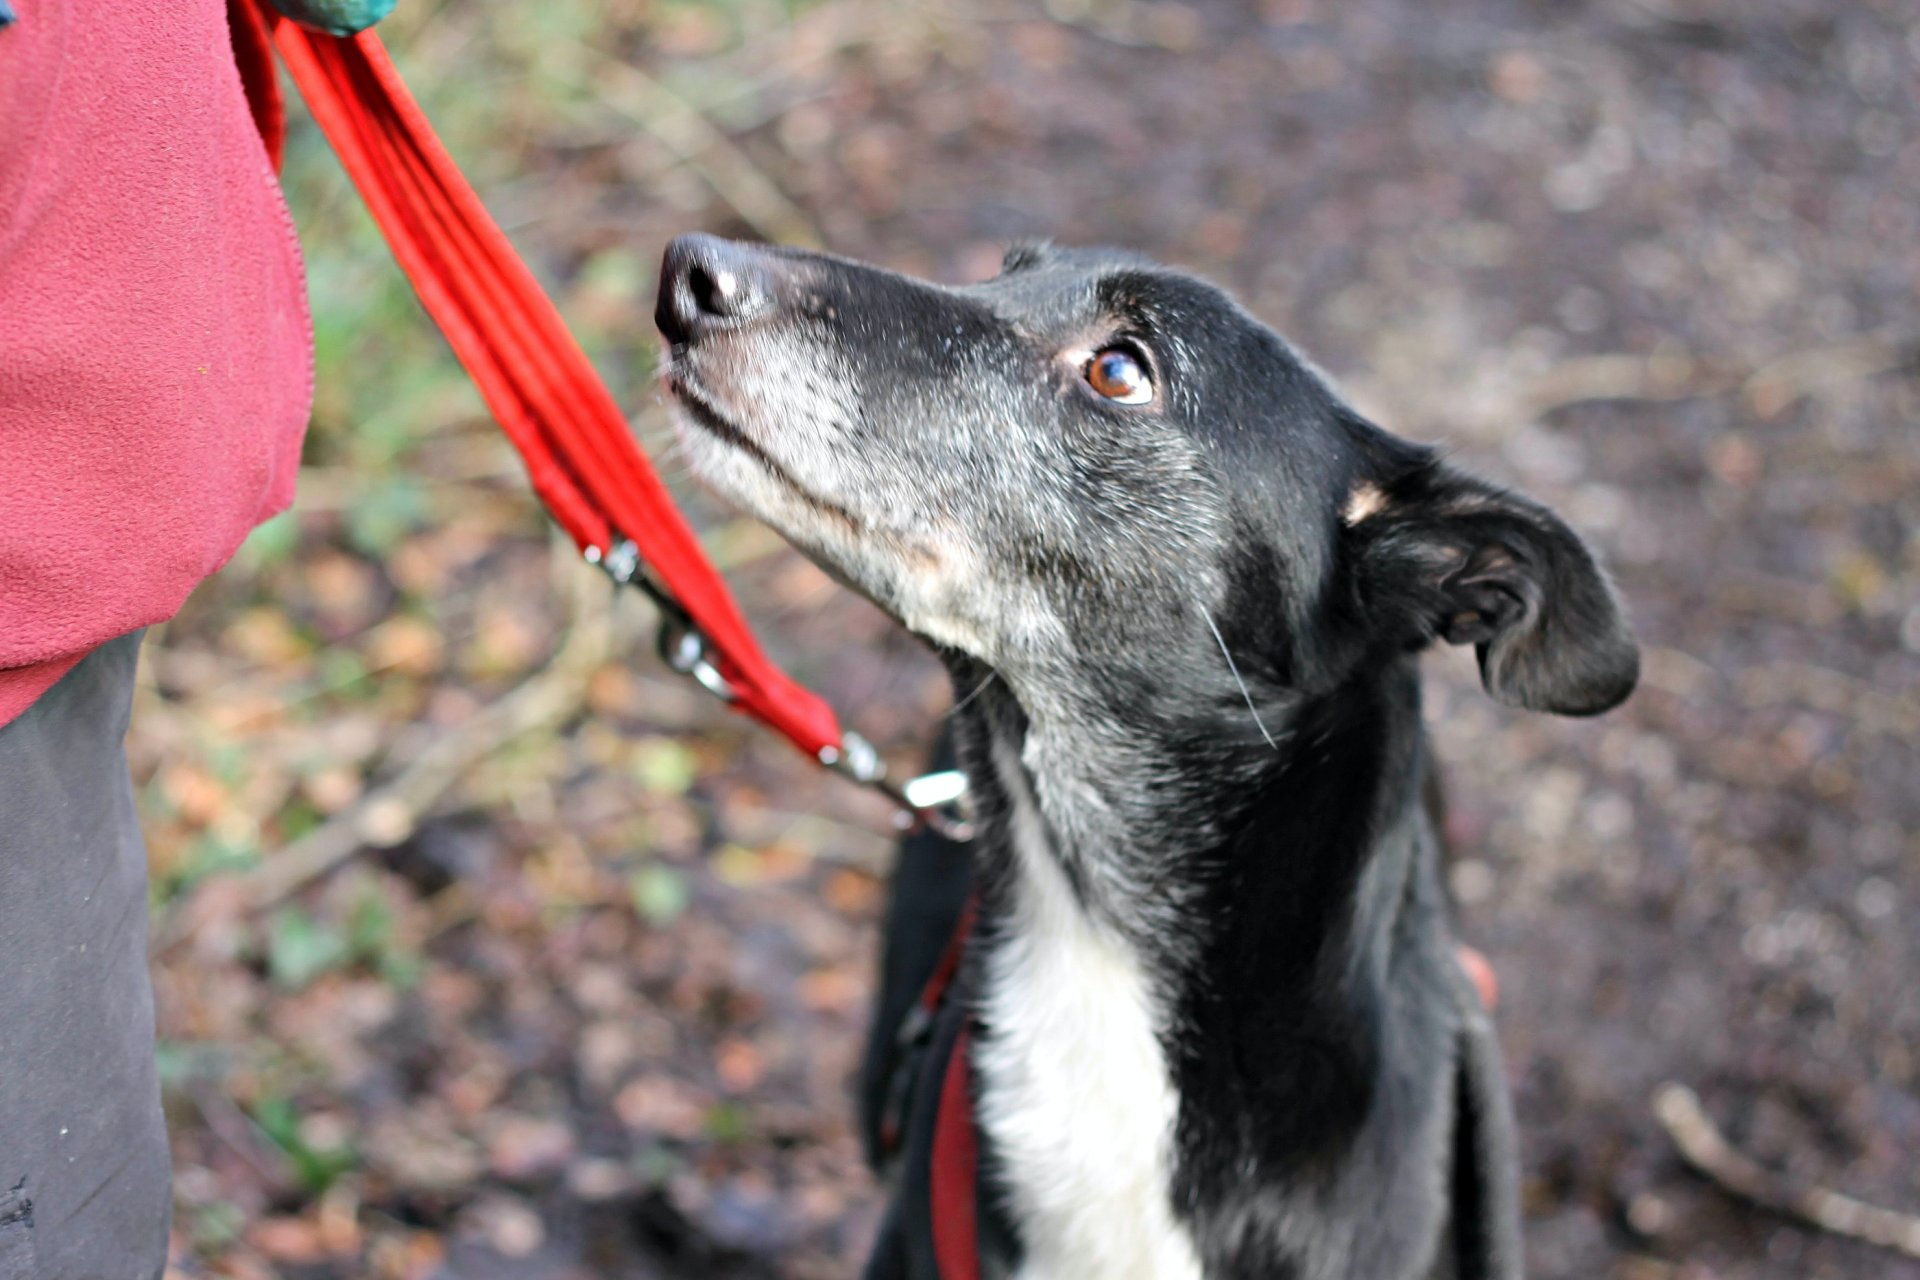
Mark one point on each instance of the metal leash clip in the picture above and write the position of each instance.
(936, 801)
(944, 796)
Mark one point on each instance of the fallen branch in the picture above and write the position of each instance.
(227, 1122)
(1777, 384)
(388, 815)
(1769, 386)
(1707, 1150)
(1584, 379)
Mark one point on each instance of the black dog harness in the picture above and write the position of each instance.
(953, 1173)
(948, 1225)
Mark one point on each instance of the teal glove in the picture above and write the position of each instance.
(335, 17)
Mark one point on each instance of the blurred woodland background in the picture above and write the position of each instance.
(580, 991)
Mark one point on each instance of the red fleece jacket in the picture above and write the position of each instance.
(155, 350)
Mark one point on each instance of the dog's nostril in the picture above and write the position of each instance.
(708, 283)
(715, 291)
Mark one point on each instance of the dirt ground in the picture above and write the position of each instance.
(585, 999)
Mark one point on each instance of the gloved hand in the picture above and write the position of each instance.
(334, 17)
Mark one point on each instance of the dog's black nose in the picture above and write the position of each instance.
(708, 283)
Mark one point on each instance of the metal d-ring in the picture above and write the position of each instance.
(683, 648)
(681, 644)
(936, 801)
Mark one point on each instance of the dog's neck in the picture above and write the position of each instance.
(1258, 878)
(1175, 812)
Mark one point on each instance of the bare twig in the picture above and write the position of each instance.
(388, 815)
(1708, 1150)
(450, 908)
(1580, 379)
(227, 1122)
(686, 131)
(1128, 23)
(1775, 385)
(1768, 385)
(1872, 706)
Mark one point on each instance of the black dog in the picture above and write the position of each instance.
(1213, 1021)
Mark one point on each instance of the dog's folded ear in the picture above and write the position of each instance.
(1442, 555)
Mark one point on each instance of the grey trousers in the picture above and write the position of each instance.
(84, 1172)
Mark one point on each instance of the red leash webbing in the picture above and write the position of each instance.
(580, 455)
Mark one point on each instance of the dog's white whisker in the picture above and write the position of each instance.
(978, 689)
(1244, 691)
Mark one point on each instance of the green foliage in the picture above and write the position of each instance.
(297, 819)
(660, 893)
(230, 762)
(181, 1062)
(271, 543)
(301, 948)
(383, 513)
(664, 766)
(729, 1122)
(374, 940)
(206, 854)
(214, 1225)
(343, 674)
(316, 1168)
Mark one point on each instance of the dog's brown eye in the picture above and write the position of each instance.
(1120, 376)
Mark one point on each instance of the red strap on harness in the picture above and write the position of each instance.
(579, 453)
(955, 1159)
(955, 1174)
(954, 1182)
(943, 974)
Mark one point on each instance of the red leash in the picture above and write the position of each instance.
(579, 453)
(585, 465)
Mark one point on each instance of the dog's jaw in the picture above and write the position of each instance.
(729, 452)
(730, 461)
(930, 578)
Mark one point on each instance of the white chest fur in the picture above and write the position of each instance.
(1074, 1090)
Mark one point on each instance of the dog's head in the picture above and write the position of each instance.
(1092, 462)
